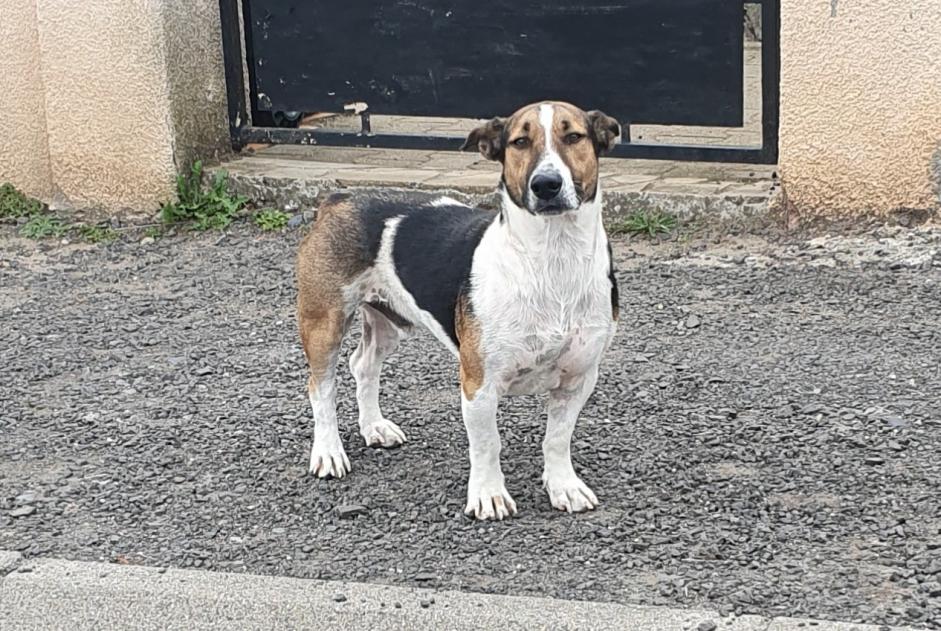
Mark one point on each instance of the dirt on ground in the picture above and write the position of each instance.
(764, 438)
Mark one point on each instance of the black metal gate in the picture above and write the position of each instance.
(664, 62)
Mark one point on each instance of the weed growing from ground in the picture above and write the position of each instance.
(270, 219)
(96, 234)
(203, 207)
(14, 204)
(650, 223)
(43, 226)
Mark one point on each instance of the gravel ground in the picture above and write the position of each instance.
(765, 437)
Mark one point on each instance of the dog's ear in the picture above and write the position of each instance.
(488, 139)
(605, 131)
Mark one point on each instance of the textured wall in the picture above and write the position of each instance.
(24, 153)
(860, 104)
(198, 106)
(104, 100)
(107, 101)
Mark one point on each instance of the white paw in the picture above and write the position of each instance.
(382, 433)
(570, 494)
(328, 459)
(489, 501)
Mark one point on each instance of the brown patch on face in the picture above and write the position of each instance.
(526, 142)
(329, 258)
(469, 334)
(571, 138)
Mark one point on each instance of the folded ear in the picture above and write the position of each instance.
(605, 131)
(488, 139)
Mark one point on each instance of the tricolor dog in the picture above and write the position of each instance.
(524, 297)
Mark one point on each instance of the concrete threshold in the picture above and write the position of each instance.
(294, 177)
(52, 594)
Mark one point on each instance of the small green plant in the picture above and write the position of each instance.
(207, 208)
(96, 234)
(14, 204)
(650, 223)
(271, 219)
(154, 232)
(42, 226)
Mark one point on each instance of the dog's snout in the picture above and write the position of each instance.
(546, 186)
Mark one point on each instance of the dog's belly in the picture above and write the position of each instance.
(539, 363)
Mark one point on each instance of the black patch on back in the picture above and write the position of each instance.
(433, 250)
(615, 296)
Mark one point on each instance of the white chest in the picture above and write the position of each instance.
(544, 318)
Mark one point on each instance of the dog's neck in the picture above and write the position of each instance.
(578, 231)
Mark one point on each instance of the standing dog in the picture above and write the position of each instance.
(525, 297)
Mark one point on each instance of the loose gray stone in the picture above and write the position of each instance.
(348, 511)
(22, 511)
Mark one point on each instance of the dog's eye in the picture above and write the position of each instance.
(571, 139)
(521, 142)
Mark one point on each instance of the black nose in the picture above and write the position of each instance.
(545, 187)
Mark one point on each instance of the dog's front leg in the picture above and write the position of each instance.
(566, 490)
(487, 497)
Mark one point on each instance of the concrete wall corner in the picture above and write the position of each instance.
(106, 100)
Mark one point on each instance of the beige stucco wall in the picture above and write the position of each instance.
(860, 104)
(24, 152)
(132, 92)
(107, 101)
(198, 104)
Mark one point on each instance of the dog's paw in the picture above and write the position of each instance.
(570, 494)
(489, 502)
(382, 433)
(328, 460)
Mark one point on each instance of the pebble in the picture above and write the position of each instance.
(348, 511)
(26, 498)
(706, 625)
(339, 598)
(23, 511)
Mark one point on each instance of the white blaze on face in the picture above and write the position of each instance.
(551, 161)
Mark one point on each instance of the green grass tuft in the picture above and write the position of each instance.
(14, 204)
(96, 234)
(42, 227)
(205, 208)
(650, 223)
(270, 219)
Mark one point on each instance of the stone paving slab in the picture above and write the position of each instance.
(56, 594)
(293, 177)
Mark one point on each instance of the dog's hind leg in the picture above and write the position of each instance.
(321, 333)
(380, 337)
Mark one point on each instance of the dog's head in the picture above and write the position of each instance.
(549, 153)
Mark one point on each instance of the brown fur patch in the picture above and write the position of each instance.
(579, 156)
(329, 258)
(519, 161)
(472, 361)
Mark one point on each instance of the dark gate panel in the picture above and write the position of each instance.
(643, 61)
